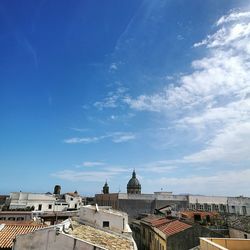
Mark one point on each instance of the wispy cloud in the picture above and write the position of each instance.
(71, 175)
(222, 183)
(98, 175)
(93, 163)
(80, 129)
(29, 48)
(119, 137)
(230, 145)
(113, 99)
(86, 140)
(116, 137)
(113, 67)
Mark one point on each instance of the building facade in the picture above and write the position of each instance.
(239, 205)
(161, 233)
(208, 203)
(105, 218)
(136, 204)
(16, 215)
(44, 202)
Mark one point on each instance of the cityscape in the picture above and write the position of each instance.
(125, 125)
(131, 220)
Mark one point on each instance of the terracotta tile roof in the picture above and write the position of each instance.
(159, 222)
(151, 218)
(166, 225)
(173, 227)
(9, 230)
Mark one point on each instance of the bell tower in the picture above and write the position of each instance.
(105, 188)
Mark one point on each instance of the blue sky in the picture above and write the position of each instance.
(90, 90)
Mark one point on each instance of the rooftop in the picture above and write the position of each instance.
(101, 238)
(166, 225)
(224, 244)
(239, 222)
(15, 212)
(105, 209)
(173, 227)
(75, 194)
(9, 230)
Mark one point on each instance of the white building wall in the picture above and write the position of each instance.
(73, 201)
(208, 203)
(207, 199)
(22, 200)
(118, 221)
(41, 202)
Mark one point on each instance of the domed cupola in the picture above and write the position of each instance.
(134, 186)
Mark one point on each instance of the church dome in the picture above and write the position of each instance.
(134, 186)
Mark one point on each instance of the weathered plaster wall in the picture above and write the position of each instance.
(48, 239)
(234, 233)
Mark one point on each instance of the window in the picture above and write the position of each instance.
(233, 209)
(192, 206)
(2, 218)
(245, 236)
(105, 224)
(49, 206)
(224, 207)
(75, 205)
(71, 199)
(20, 218)
(208, 218)
(215, 207)
(40, 207)
(244, 210)
(197, 217)
(12, 218)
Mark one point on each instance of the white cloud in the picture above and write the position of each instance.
(223, 183)
(80, 129)
(113, 99)
(86, 140)
(92, 163)
(113, 67)
(119, 137)
(107, 172)
(235, 16)
(71, 175)
(116, 137)
(234, 111)
(223, 73)
(230, 145)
